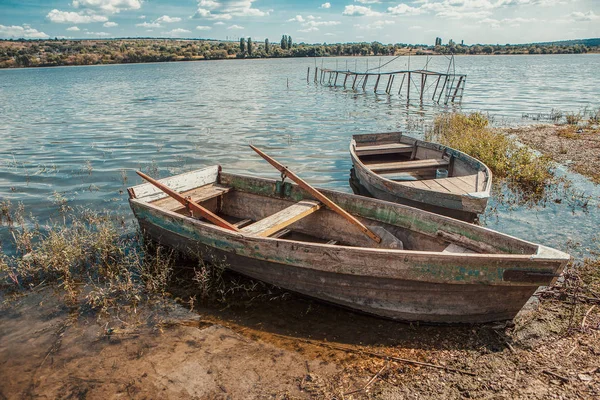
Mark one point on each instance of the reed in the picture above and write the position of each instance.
(519, 166)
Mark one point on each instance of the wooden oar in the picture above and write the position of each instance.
(190, 205)
(317, 195)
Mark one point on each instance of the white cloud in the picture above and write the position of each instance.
(235, 27)
(110, 24)
(415, 28)
(321, 23)
(73, 29)
(226, 9)
(325, 5)
(203, 28)
(355, 11)
(298, 18)
(219, 23)
(167, 20)
(142, 17)
(581, 16)
(311, 29)
(102, 34)
(367, 1)
(512, 22)
(375, 25)
(403, 9)
(69, 17)
(177, 32)
(108, 6)
(330, 34)
(149, 25)
(209, 4)
(25, 31)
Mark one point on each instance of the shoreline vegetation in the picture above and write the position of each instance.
(65, 52)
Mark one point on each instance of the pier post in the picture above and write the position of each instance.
(316, 69)
(345, 79)
(401, 84)
(392, 84)
(376, 83)
(408, 88)
(436, 87)
(442, 90)
(423, 80)
(457, 86)
(307, 74)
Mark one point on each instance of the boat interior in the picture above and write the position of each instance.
(271, 211)
(410, 162)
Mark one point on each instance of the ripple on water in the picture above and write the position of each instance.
(83, 131)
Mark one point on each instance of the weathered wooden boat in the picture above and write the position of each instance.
(449, 271)
(436, 178)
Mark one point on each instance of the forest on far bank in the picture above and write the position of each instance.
(48, 53)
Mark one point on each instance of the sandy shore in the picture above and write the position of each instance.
(280, 348)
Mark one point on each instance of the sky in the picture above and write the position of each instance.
(332, 21)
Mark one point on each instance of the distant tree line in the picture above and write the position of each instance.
(43, 53)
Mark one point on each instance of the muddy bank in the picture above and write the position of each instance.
(578, 147)
(48, 350)
(286, 346)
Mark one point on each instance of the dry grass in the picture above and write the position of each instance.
(98, 266)
(517, 165)
(87, 256)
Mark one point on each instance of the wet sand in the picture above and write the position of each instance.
(278, 346)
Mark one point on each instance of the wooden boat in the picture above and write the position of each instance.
(398, 168)
(449, 271)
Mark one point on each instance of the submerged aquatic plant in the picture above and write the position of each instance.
(518, 166)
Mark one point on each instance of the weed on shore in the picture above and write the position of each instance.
(518, 166)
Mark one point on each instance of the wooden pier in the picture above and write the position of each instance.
(419, 84)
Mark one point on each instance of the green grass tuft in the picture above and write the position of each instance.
(519, 166)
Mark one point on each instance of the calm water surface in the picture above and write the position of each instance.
(82, 131)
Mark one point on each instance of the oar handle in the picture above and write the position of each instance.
(190, 205)
(316, 194)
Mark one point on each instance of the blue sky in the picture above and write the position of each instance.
(332, 21)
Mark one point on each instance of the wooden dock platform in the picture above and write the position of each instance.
(421, 83)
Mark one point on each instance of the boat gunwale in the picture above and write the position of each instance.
(538, 255)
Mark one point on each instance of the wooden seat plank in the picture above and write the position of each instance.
(278, 221)
(389, 148)
(408, 165)
(197, 195)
